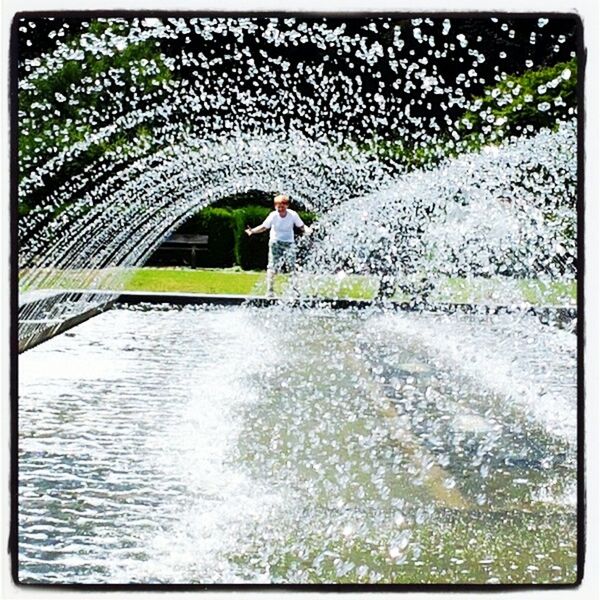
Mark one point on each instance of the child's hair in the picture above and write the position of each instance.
(281, 199)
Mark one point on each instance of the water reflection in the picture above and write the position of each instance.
(204, 445)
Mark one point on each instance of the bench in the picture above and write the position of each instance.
(192, 242)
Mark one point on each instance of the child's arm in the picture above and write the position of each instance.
(253, 230)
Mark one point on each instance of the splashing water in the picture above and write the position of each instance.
(185, 111)
(480, 215)
(177, 446)
(360, 446)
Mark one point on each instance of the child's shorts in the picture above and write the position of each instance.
(282, 257)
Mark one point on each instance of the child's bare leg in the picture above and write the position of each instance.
(270, 281)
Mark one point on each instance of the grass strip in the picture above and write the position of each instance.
(494, 290)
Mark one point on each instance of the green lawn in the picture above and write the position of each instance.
(504, 291)
(234, 281)
(200, 281)
(213, 281)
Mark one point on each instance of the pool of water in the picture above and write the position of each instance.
(229, 445)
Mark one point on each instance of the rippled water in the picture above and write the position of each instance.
(204, 445)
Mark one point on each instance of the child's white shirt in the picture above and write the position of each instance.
(282, 228)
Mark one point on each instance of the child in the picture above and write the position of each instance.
(282, 248)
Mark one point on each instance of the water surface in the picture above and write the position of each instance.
(203, 445)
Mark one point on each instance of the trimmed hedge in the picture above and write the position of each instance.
(217, 224)
(251, 253)
(228, 243)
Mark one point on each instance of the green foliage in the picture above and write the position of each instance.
(217, 223)
(255, 198)
(511, 107)
(251, 252)
(228, 244)
(240, 200)
(522, 103)
(410, 156)
(59, 108)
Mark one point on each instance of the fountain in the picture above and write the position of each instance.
(369, 445)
